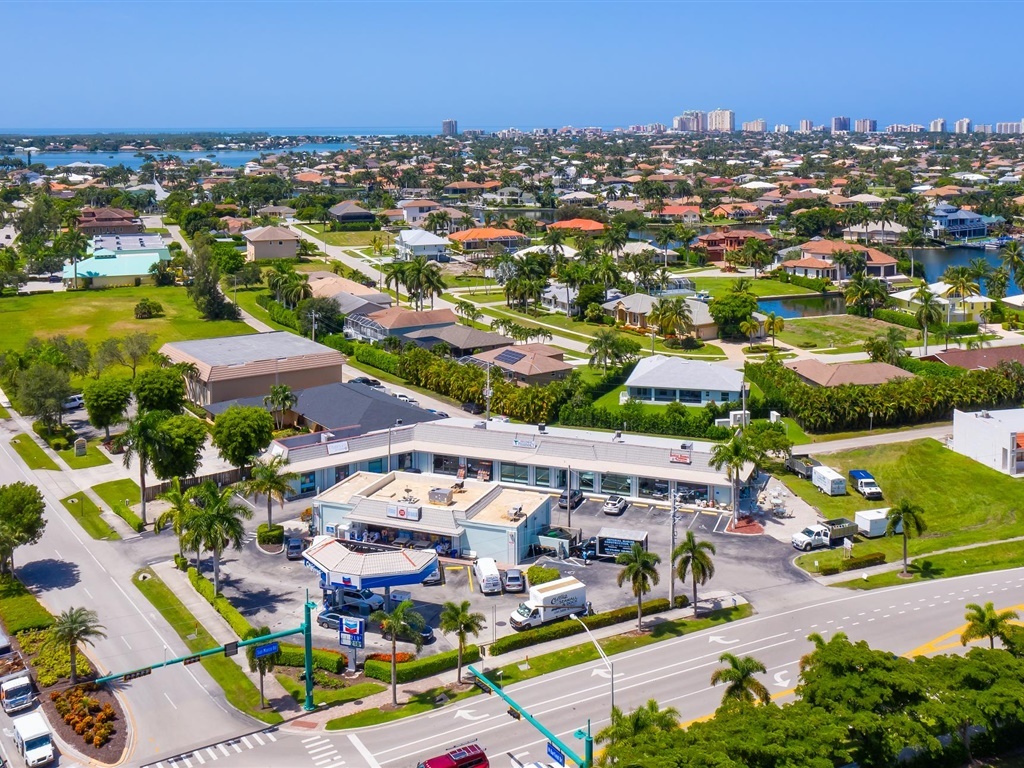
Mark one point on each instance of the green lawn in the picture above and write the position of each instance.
(31, 453)
(239, 689)
(116, 491)
(94, 457)
(479, 296)
(610, 400)
(341, 238)
(719, 286)
(246, 299)
(418, 703)
(328, 697)
(19, 608)
(1009, 554)
(98, 315)
(963, 501)
(160, 231)
(88, 516)
(469, 281)
(3, 413)
(848, 331)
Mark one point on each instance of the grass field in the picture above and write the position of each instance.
(3, 413)
(116, 491)
(328, 697)
(88, 516)
(239, 689)
(1009, 554)
(837, 331)
(341, 238)
(31, 453)
(94, 457)
(98, 315)
(719, 286)
(963, 501)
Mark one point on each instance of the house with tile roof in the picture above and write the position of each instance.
(350, 212)
(270, 243)
(819, 374)
(816, 259)
(525, 364)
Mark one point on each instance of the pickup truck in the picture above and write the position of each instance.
(826, 534)
(865, 484)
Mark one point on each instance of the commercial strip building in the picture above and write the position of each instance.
(992, 438)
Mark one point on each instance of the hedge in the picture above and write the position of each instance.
(907, 320)
(377, 358)
(339, 342)
(326, 661)
(239, 624)
(180, 562)
(862, 561)
(562, 629)
(356, 226)
(425, 667)
(19, 608)
(539, 574)
(278, 312)
(129, 517)
(58, 439)
(820, 285)
(267, 535)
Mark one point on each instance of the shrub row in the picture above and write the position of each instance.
(180, 562)
(59, 438)
(377, 358)
(567, 628)
(267, 535)
(129, 517)
(814, 283)
(539, 574)
(355, 226)
(239, 624)
(907, 320)
(862, 561)
(326, 661)
(19, 608)
(420, 668)
(339, 342)
(278, 312)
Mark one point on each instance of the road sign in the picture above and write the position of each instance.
(137, 673)
(556, 754)
(350, 632)
(267, 649)
(231, 649)
(190, 660)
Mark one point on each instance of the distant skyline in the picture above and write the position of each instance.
(84, 66)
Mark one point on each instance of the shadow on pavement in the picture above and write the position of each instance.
(49, 574)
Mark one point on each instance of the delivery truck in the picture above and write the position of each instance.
(874, 522)
(612, 542)
(16, 689)
(550, 602)
(828, 481)
(33, 740)
(827, 534)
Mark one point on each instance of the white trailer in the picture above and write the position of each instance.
(828, 481)
(548, 602)
(873, 522)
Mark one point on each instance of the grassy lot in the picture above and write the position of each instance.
(479, 296)
(837, 331)
(1009, 554)
(88, 516)
(328, 697)
(719, 286)
(94, 457)
(239, 689)
(116, 491)
(418, 703)
(246, 298)
(610, 400)
(31, 453)
(160, 231)
(340, 238)
(3, 413)
(98, 315)
(812, 438)
(963, 501)
(470, 281)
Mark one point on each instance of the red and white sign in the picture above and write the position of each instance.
(679, 457)
(404, 512)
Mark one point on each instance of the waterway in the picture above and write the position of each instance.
(936, 260)
(812, 306)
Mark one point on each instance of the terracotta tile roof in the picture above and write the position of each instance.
(973, 359)
(808, 262)
(830, 247)
(486, 233)
(399, 317)
(864, 374)
(584, 225)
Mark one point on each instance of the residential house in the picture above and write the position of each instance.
(587, 226)
(955, 308)
(279, 211)
(108, 221)
(992, 438)
(660, 379)
(687, 214)
(555, 297)
(888, 233)
(352, 297)
(481, 238)
(737, 211)
(461, 340)
(396, 321)
(527, 364)
(415, 212)
(577, 198)
(459, 188)
(978, 359)
(874, 202)
(946, 220)
(816, 259)
(105, 269)
(630, 310)
(350, 212)
(724, 240)
(819, 374)
(270, 243)
(419, 242)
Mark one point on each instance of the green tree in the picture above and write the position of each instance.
(750, 328)
(280, 399)
(216, 523)
(986, 621)
(263, 664)
(460, 619)
(141, 442)
(21, 520)
(889, 347)
(730, 310)
(177, 514)
(639, 723)
(241, 433)
(74, 626)
(403, 620)
(928, 311)
(134, 348)
(160, 389)
(906, 518)
(106, 400)
(181, 438)
(774, 325)
(603, 348)
(469, 311)
(269, 478)
(42, 390)
(734, 456)
(640, 569)
(739, 680)
(692, 557)
(1013, 259)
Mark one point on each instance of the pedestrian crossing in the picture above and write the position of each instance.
(322, 752)
(214, 752)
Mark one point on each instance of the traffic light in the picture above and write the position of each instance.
(514, 713)
(479, 683)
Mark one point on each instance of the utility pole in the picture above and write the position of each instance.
(314, 315)
(671, 565)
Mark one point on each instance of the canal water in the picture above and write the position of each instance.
(814, 306)
(936, 260)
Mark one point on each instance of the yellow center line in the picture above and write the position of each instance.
(949, 640)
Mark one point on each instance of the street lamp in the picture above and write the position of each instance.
(604, 657)
(398, 423)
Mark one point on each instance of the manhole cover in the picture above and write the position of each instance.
(501, 624)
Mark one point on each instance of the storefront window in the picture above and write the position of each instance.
(377, 465)
(690, 492)
(542, 476)
(446, 465)
(561, 476)
(616, 484)
(586, 480)
(479, 469)
(307, 482)
(652, 488)
(514, 473)
(340, 473)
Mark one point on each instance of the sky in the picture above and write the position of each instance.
(490, 64)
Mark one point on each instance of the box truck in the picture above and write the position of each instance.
(550, 602)
(16, 689)
(612, 542)
(32, 739)
(828, 481)
(874, 522)
(865, 484)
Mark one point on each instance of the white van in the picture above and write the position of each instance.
(33, 740)
(488, 575)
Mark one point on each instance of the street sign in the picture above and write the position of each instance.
(556, 754)
(190, 659)
(350, 632)
(231, 649)
(267, 649)
(137, 673)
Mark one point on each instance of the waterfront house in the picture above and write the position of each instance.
(948, 221)
(816, 259)
(419, 242)
(721, 241)
(955, 308)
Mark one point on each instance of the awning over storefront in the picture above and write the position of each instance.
(339, 566)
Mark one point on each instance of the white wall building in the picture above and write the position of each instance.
(418, 242)
(992, 438)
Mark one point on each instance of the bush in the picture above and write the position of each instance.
(147, 308)
(326, 661)
(239, 624)
(278, 312)
(355, 226)
(19, 608)
(51, 661)
(539, 574)
(420, 668)
(377, 358)
(129, 517)
(403, 658)
(814, 283)
(828, 570)
(57, 438)
(339, 342)
(180, 562)
(267, 535)
(863, 561)
(907, 320)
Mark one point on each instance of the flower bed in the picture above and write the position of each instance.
(88, 717)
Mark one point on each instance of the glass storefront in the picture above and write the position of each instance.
(620, 484)
(542, 476)
(307, 482)
(446, 465)
(515, 473)
(585, 481)
(691, 492)
(652, 488)
(479, 469)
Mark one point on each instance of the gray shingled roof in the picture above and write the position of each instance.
(676, 373)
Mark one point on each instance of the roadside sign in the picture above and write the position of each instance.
(556, 754)
(350, 632)
(267, 649)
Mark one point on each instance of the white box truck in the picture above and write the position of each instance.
(873, 522)
(32, 739)
(549, 602)
(828, 481)
(17, 693)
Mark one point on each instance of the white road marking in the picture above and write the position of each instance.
(211, 753)
(371, 761)
(318, 743)
(246, 742)
(125, 639)
(198, 756)
(321, 749)
(312, 738)
(235, 746)
(324, 755)
(269, 735)
(224, 749)
(86, 590)
(58, 554)
(257, 737)
(188, 763)
(169, 700)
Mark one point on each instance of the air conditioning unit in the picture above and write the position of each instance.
(441, 496)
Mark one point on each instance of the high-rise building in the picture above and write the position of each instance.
(449, 127)
(782, 128)
(987, 128)
(840, 124)
(1013, 127)
(722, 120)
(963, 125)
(756, 126)
(865, 125)
(938, 125)
(806, 126)
(904, 128)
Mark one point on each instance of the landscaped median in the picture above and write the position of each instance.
(34, 456)
(120, 496)
(88, 516)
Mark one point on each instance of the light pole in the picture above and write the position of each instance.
(604, 657)
(671, 564)
(398, 423)
(871, 421)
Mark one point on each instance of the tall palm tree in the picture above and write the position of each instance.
(985, 621)
(403, 620)
(394, 272)
(673, 315)
(1013, 260)
(432, 283)
(268, 478)
(603, 348)
(961, 286)
(908, 517)
(216, 523)
(142, 441)
(774, 324)
(980, 270)
(181, 507)
(605, 271)
(644, 719)
(74, 626)
(280, 399)
(460, 619)
(694, 557)
(262, 664)
(734, 456)
(739, 680)
(554, 239)
(750, 328)
(615, 239)
(640, 569)
(928, 311)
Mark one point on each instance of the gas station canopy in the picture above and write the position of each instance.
(339, 566)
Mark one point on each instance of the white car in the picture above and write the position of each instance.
(362, 597)
(615, 505)
(73, 402)
(405, 398)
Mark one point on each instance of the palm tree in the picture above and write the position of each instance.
(280, 399)
(554, 238)
(402, 620)
(866, 292)
(432, 283)
(261, 664)
(672, 315)
(605, 271)
(615, 239)
(734, 456)
(740, 683)
(750, 328)
(74, 626)
(774, 324)
(468, 310)
(694, 557)
(997, 283)
(979, 270)
(216, 523)
(961, 286)
(394, 272)
(985, 621)
(640, 568)
(177, 514)
(908, 517)
(460, 619)
(643, 719)
(928, 311)
(603, 348)
(267, 478)
(143, 439)
(1013, 260)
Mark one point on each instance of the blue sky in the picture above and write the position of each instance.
(490, 64)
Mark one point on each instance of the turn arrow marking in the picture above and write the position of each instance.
(782, 679)
(722, 640)
(605, 673)
(467, 714)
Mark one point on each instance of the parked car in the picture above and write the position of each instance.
(331, 617)
(615, 505)
(55, 278)
(426, 635)
(437, 577)
(405, 398)
(294, 547)
(350, 596)
(475, 408)
(570, 499)
(514, 580)
(366, 381)
(73, 402)
(442, 414)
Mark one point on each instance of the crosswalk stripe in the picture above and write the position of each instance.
(325, 762)
(319, 743)
(199, 757)
(269, 735)
(211, 753)
(224, 749)
(312, 738)
(257, 737)
(315, 756)
(235, 746)
(188, 763)
(247, 743)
